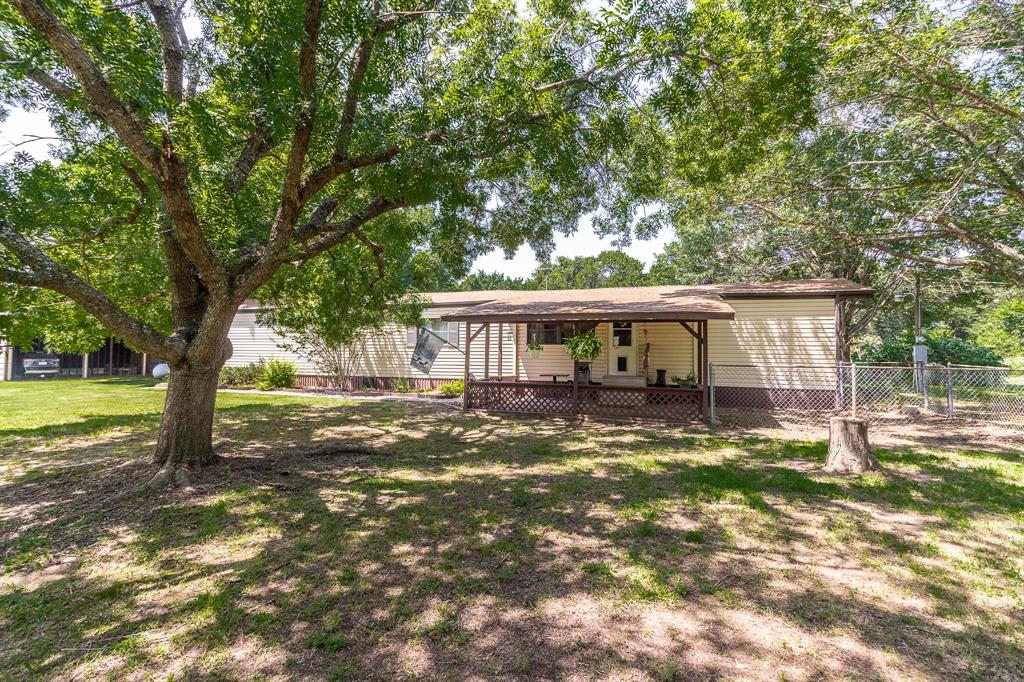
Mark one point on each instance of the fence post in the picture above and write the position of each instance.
(840, 398)
(949, 391)
(925, 380)
(711, 392)
(853, 387)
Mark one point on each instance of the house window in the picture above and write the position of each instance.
(622, 334)
(555, 333)
(548, 333)
(448, 331)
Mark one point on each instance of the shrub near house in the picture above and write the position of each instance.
(267, 375)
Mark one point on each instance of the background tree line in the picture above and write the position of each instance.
(912, 164)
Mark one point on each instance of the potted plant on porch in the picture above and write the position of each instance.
(534, 346)
(583, 349)
(689, 382)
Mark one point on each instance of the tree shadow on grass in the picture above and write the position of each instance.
(505, 548)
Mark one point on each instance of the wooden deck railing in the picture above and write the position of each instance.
(560, 399)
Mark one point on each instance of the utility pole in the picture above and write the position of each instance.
(920, 349)
(918, 339)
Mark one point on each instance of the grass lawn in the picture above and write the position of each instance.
(471, 547)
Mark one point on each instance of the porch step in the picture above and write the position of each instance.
(620, 380)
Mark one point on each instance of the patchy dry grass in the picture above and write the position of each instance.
(474, 547)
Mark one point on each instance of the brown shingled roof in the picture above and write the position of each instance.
(705, 302)
(632, 303)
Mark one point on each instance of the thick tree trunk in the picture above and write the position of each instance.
(186, 427)
(848, 449)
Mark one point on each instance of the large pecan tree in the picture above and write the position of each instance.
(207, 144)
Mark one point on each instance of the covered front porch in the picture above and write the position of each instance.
(654, 364)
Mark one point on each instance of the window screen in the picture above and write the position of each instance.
(554, 333)
(446, 330)
(544, 332)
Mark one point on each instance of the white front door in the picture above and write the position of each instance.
(622, 349)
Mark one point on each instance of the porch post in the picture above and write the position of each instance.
(704, 351)
(487, 352)
(705, 397)
(575, 387)
(515, 349)
(465, 374)
(700, 354)
(501, 353)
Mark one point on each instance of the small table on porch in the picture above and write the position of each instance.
(554, 377)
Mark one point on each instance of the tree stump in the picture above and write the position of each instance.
(848, 449)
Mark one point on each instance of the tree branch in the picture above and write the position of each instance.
(321, 177)
(355, 87)
(48, 273)
(332, 234)
(101, 96)
(133, 214)
(22, 277)
(55, 86)
(162, 164)
(587, 78)
(166, 18)
(375, 249)
(340, 162)
(291, 192)
(256, 147)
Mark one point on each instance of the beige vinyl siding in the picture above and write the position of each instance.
(389, 354)
(507, 366)
(671, 349)
(252, 342)
(385, 355)
(769, 333)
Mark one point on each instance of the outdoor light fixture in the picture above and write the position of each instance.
(899, 296)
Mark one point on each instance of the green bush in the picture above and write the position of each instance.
(252, 374)
(1001, 327)
(453, 389)
(943, 347)
(279, 374)
(402, 386)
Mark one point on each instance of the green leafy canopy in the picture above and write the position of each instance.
(335, 151)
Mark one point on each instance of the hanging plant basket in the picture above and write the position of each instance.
(584, 347)
(534, 347)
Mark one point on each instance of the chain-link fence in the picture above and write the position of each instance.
(882, 394)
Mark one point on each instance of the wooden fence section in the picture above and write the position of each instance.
(565, 400)
(650, 402)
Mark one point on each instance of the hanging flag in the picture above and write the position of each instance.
(428, 345)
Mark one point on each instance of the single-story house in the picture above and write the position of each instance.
(650, 336)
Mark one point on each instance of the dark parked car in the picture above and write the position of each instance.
(41, 366)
